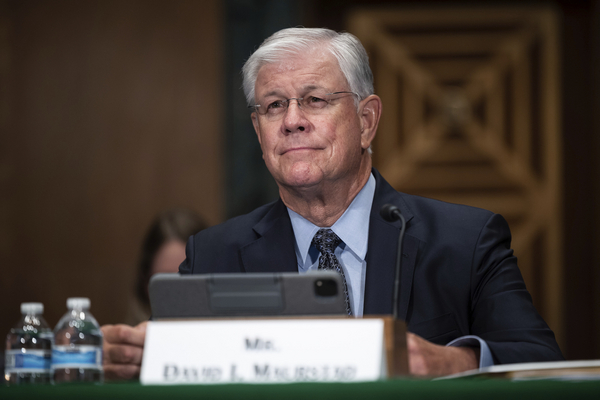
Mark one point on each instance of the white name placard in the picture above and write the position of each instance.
(263, 351)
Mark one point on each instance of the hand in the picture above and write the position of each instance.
(123, 349)
(428, 359)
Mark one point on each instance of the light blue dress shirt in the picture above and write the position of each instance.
(353, 228)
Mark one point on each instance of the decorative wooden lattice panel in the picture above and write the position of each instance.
(471, 116)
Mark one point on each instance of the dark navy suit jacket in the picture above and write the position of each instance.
(459, 276)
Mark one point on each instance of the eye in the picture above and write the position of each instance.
(316, 101)
(275, 105)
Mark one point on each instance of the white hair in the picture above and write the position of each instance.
(347, 49)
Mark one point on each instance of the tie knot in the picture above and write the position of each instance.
(325, 240)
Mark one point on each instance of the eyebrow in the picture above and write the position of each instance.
(277, 92)
(272, 93)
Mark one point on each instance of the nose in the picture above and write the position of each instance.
(294, 119)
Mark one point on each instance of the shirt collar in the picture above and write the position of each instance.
(349, 227)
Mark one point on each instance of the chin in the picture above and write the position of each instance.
(301, 181)
(303, 176)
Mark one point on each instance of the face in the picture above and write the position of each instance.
(302, 150)
(168, 257)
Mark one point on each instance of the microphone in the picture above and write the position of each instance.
(391, 213)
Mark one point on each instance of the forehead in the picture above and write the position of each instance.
(318, 68)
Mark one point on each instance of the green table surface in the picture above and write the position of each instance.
(397, 389)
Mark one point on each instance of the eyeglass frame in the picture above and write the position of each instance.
(299, 99)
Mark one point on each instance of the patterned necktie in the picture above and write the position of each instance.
(326, 241)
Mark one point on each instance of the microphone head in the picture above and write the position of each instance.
(390, 212)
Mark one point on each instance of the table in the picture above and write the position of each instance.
(403, 389)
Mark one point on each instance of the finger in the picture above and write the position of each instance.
(123, 354)
(121, 372)
(417, 364)
(413, 342)
(141, 326)
(124, 334)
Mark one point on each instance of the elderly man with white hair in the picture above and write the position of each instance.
(315, 115)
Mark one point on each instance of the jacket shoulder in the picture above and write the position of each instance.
(235, 231)
(426, 211)
(424, 207)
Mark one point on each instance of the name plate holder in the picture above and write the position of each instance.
(273, 350)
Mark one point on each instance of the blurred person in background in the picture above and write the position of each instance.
(163, 249)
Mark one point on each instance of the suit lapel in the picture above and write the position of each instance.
(381, 255)
(274, 250)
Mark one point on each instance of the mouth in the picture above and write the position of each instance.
(298, 149)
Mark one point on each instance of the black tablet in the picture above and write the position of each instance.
(246, 294)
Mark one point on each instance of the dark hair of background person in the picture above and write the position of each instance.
(173, 224)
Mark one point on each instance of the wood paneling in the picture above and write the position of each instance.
(472, 116)
(115, 113)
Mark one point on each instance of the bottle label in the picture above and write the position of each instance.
(27, 360)
(77, 357)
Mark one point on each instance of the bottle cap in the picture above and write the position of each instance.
(79, 303)
(32, 308)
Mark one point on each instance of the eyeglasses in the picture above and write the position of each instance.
(313, 103)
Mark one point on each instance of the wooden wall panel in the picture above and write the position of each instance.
(472, 116)
(115, 115)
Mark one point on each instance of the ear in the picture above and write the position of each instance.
(256, 125)
(369, 113)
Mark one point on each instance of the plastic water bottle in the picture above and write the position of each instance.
(29, 348)
(77, 349)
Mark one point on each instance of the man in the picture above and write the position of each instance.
(315, 116)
